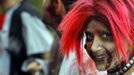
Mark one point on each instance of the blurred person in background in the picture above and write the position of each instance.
(25, 37)
(53, 13)
(4, 56)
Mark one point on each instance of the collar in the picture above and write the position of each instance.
(125, 68)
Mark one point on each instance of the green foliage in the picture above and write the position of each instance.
(0, 10)
(38, 4)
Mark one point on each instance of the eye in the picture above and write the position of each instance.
(89, 37)
(107, 36)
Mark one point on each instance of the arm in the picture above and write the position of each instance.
(37, 38)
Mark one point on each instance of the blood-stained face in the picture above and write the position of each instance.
(100, 45)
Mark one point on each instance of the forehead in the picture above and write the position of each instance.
(95, 25)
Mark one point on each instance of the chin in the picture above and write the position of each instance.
(101, 67)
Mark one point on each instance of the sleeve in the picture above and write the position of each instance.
(36, 36)
(68, 66)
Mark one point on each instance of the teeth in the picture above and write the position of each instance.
(100, 56)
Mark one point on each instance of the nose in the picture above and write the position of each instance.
(97, 44)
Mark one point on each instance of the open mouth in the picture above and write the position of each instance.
(99, 58)
(102, 59)
(96, 56)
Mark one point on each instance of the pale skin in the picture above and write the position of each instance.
(100, 46)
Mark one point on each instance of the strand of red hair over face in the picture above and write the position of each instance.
(118, 13)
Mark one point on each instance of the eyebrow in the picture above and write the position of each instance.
(101, 32)
(105, 31)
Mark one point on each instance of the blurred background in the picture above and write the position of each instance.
(38, 4)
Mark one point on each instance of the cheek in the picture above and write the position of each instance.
(88, 45)
(110, 46)
(112, 50)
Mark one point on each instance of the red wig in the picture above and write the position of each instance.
(119, 14)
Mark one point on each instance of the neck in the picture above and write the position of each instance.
(124, 68)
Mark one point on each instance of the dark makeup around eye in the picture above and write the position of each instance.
(105, 35)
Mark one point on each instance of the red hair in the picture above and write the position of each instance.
(119, 14)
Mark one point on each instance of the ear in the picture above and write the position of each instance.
(130, 47)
